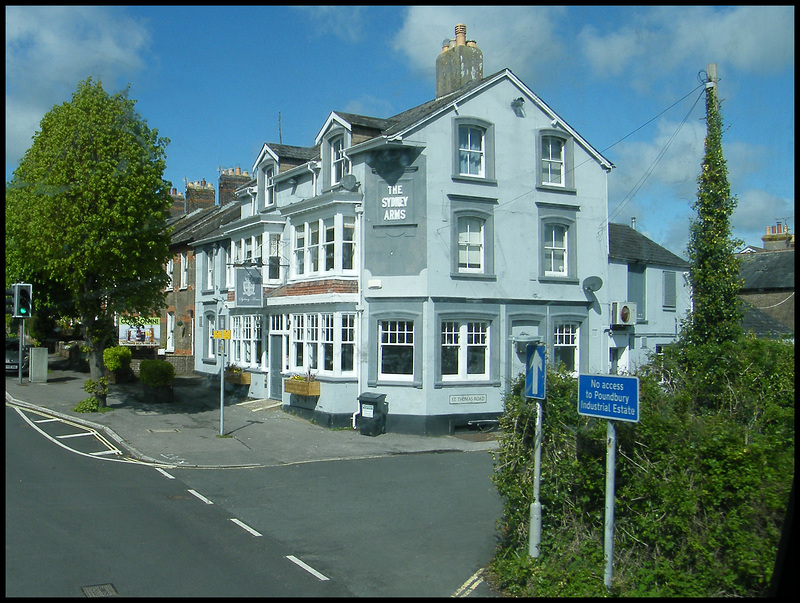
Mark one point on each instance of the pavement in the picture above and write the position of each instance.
(186, 431)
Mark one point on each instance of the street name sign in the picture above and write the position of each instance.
(609, 397)
(535, 372)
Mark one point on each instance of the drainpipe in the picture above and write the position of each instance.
(359, 308)
(313, 178)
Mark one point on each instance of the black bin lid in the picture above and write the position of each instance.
(372, 397)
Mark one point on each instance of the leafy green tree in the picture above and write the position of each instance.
(714, 272)
(86, 215)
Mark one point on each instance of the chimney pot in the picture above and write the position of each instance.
(461, 34)
(238, 171)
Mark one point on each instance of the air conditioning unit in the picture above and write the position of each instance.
(623, 313)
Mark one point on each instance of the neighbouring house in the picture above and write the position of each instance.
(202, 215)
(652, 283)
(768, 284)
(414, 257)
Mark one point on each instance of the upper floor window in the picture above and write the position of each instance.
(274, 257)
(184, 270)
(552, 160)
(670, 290)
(340, 164)
(470, 244)
(324, 246)
(269, 186)
(637, 289)
(170, 269)
(555, 250)
(473, 149)
(555, 160)
(209, 269)
(471, 152)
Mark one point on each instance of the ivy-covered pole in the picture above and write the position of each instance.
(714, 273)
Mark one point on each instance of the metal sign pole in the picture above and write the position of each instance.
(21, 348)
(536, 505)
(222, 388)
(611, 459)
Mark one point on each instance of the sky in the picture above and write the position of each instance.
(219, 82)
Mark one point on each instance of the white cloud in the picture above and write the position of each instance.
(522, 38)
(757, 209)
(50, 49)
(754, 39)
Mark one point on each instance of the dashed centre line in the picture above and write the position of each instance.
(201, 497)
(307, 567)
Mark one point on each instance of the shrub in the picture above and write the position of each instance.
(117, 357)
(156, 373)
(702, 481)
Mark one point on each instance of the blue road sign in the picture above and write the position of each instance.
(535, 372)
(609, 397)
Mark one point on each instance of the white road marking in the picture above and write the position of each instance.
(243, 525)
(307, 567)
(201, 497)
(164, 473)
(75, 435)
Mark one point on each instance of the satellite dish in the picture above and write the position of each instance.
(349, 182)
(592, 283)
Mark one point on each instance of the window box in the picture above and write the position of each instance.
(237, 378)
(301, 387)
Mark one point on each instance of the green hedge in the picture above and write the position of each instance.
(156, 373)
(117, 357)
(702, 481)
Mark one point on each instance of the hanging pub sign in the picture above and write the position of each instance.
(249, 292)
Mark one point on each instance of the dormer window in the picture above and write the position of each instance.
(269, 186)
(340, 165)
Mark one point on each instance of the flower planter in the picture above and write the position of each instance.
(301, 387)
(238, 378)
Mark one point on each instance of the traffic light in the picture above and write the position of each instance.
(23, 300)
(9, 301)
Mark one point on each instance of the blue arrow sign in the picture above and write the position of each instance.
(609, 397)
(535, 372)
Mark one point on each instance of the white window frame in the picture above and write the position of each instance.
(269, 186)
(340, 164)
(566, 335)
(184, 270)
(553, 164)
(467, 150)
(464, 338)
(311, 247)
(316, 341)
(170, 344)
(468, 241)
(247, 345)
(210, 269)
(550, 249)
(395, 334)
(210, 341)
(170, 269)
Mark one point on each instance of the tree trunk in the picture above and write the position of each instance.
(95, 336)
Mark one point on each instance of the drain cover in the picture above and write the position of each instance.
(100, 590)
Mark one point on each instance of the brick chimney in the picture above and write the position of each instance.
(460, 63)
(199, 195)
(778, 237)
(178, 203)
(229, 181)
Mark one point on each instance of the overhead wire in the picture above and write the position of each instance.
(653, 165)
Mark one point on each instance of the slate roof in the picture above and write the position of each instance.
(191, 227)
(767, 270)
(293, 152)
(762, 324)
(628, 245)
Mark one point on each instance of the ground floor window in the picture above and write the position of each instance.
(465, 350)
(565, 346)
(247, 344)
(396, 349)
(322, 342)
